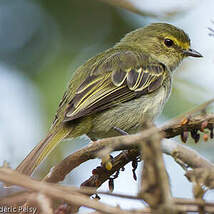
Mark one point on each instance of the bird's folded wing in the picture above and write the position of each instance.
(118, 83)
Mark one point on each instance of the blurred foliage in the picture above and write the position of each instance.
(84, 30)
(58, 36)
(181, 102)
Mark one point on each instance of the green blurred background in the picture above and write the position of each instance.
(44, 41)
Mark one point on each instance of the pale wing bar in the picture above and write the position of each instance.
(98, 93)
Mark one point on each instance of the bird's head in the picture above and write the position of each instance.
(163, 42)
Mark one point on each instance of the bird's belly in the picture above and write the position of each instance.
(129, 116)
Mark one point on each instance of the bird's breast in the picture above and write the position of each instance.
(130, 116)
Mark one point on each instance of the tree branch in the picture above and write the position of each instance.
(78, 196)
(53, 191)
(59, 172)
(155, 188)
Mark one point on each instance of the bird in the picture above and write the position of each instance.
(122, 87)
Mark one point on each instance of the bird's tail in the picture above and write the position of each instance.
(40, 152)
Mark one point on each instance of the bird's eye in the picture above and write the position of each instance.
(168, 42)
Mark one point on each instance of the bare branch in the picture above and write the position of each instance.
(156, 186)
(200, 108)
(100, 174)
(45, 203)
(52, 190)
(176, 127)
(185, 155)
(155, 189)
(59, 172)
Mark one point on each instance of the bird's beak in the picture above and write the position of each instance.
(193, 53)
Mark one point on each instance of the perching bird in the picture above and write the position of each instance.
(121, 87)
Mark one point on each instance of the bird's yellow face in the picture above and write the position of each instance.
(164, 42)
(171, 43)
(169, 49)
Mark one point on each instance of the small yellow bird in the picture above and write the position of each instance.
(121, 87)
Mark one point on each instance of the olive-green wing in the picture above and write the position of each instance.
(115, 84)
